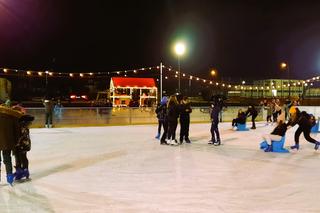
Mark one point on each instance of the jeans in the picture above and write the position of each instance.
(214, 132)
(306, 133)
(48, 118)
(172, 126)
(184, 128)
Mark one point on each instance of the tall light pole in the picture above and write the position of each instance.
(180, 49)
(285, 66)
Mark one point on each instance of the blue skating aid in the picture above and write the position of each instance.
(242, 127)
(264, 145)
(277, 146)
(315, 128)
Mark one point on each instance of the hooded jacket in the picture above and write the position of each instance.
(10, 129)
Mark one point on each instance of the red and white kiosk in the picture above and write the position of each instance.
(133, 91)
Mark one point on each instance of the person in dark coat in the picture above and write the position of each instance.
(173, 114)
(253, 113)
(161, 112)
(48, 106)
(305, 122)
(185, 110)
(22, 147)
(9, 134)
(278, 132)
(241, 118)
(215, 135)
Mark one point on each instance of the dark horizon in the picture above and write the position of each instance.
(243, 39)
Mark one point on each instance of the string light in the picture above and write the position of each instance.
(125, 72)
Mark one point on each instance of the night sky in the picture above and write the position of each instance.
(246, 39)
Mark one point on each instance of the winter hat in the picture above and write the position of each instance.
(164, 100)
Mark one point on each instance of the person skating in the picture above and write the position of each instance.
(161, 112)
(22, 147)
(185, 110)
(268, 108)
(278, 132)
(9, 134)
(253, 113)
(173, 114)
(241, 118)
(215, 135)
(48, 105)
(305, 122)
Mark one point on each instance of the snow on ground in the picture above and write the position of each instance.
(124, 169)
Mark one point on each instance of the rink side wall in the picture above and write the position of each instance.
(105, 116)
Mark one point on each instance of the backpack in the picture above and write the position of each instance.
(162, 112)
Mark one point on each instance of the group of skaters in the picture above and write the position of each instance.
(168, 112)
(14, 140)
(283, 115)
(287, 116)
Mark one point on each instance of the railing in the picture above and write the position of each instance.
(99, 116)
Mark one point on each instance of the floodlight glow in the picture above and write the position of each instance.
(180, 48)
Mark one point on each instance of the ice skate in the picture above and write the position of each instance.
(188, 140)
(18, 174)
(163, 142)
(174, 142)
(316, 147)
(26, 173)
(157, 136)
(211, 142)
(295, 147)
(218, 143)
(10, 178)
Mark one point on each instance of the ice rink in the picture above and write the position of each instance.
(124, 169)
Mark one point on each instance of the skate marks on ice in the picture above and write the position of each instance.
(24, 198)
(50, 131)
(79, 164)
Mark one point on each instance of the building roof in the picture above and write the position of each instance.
(133, 82)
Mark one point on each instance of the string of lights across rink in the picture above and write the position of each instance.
(169, 73)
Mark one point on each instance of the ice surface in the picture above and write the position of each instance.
(124, 169)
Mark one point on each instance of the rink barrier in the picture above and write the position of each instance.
(104, 116)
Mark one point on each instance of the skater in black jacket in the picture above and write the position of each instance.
(305, 122)
(173, 114)
(185, 110)
(253, 113)
(161, 112)
(215, 111)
